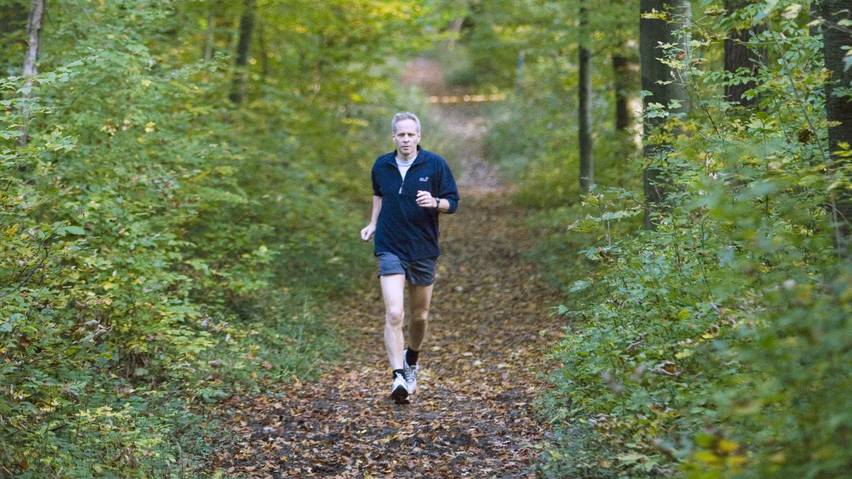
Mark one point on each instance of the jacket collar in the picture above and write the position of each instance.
(421, 157)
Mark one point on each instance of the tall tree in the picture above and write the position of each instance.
(738, 55)
(210, 33)
(620, 70)
(520, 66)
(31, 64)
(838, 107)
(660, 23)
(243, 47)
(13, 22)
(584, 92)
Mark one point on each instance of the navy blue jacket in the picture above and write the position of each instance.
(404, 228)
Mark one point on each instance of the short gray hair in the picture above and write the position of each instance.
(404, 115)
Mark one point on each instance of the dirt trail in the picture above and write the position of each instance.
(471, 416)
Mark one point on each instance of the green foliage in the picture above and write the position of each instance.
(534, 133)
(163, 249)
(716, 345)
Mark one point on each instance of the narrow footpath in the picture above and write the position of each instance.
(491, 328)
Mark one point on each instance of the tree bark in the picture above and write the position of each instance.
(30, 65)
(652, 32)
(12, 18)
(620, 67)
(455, 32)
(264, 54)
(838, 110)
(520, 66)
(738, 55)
(243, 47)
(210, 35)
(584, 92)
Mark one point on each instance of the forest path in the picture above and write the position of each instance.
(480, 368)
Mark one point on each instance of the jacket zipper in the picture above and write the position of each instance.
(402, 179)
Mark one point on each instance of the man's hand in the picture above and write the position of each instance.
(368, 231)
(426, 200)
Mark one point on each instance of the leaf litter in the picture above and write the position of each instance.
(483, 362)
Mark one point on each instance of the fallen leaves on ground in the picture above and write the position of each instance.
(481, 367)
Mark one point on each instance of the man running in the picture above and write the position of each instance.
(411, 186)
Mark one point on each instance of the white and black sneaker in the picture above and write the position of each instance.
(410, 373)
(399, 389)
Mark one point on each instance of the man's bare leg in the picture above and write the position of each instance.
(393, 289)
(421, 297)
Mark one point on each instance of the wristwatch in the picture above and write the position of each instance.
(437, 203)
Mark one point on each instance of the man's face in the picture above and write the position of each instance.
(406, 137)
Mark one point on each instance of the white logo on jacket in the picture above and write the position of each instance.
(424, 178)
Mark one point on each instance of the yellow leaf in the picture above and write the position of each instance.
(727, 446)
(684, 354)
(707, 457)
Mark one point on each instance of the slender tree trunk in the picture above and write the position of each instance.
(620, 75)
(12, 19)
(243, 47)
(584, 92)
(455, 30)
(210, 36)
(519, 71)
(30, 65)
(738, 55)
(13, 27)
(264, 54)
(658, 79)
(838, 109)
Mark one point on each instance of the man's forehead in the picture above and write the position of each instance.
(406, 126)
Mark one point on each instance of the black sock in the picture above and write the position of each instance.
(411, 356)
(398, 371)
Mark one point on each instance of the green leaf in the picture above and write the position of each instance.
(9, 324)
(579, 285)
(72, 230)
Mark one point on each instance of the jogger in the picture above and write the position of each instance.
(411, 187)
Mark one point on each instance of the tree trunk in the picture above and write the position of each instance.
(30, 65)
(838, 110)
(620, 75)
(455, 32)
(584, 92)
(652, 32)
(739, 55)
(519, 72)
(13, 17)
(243, 46)
(210, 35)
(264, 54)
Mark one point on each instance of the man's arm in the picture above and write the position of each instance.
(443, 205)
(368, 231)
(448, 193)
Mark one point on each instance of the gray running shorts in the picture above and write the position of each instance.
(420, 272)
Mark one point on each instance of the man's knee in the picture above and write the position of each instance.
(394, 316)
(420, 315)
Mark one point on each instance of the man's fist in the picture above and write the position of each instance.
(367, 232)
(426, 200)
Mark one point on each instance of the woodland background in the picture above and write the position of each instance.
(179, 179)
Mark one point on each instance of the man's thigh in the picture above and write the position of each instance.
(393, 289)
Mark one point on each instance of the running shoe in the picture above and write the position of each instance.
(399, 389)
(410, 373)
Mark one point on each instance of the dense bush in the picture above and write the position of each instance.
(717, 344)
(161, 247)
